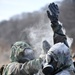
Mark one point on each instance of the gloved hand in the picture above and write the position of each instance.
(53, 12)
(46, 46)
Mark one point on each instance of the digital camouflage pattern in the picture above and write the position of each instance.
(17, 49)
(16, 68)
(27, 68)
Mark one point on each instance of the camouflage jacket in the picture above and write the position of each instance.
(59, 36)
(27, 68)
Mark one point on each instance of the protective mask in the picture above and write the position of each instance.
(48, 69)
(27, 55)
(49, 65)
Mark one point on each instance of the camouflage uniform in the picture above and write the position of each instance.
(16, 68)
(58, 58)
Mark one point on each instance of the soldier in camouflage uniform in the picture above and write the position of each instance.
(58, 58)
(22, 60)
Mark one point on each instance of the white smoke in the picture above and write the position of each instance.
(38, 33)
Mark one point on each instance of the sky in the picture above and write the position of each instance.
(9, 8)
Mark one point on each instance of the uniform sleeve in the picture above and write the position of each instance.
(27, 68)
(59, 36)
(32, 66)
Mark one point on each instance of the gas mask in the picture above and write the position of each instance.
(49, 65)
(27, 55)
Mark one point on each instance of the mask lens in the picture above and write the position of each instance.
(28, 51)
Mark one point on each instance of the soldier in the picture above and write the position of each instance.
(22, 60)
(58, 58)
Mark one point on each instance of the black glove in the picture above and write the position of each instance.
(53, 13)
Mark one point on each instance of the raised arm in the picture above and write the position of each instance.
(53, 13)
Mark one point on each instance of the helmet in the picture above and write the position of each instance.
(21, 52)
